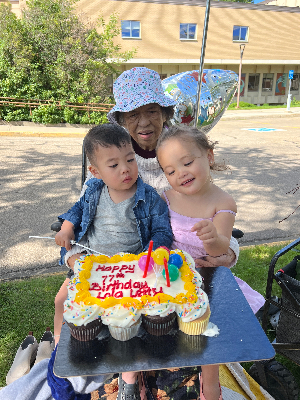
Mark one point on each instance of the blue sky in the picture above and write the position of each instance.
(257, 1)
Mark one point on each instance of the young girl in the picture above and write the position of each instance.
(202, 215)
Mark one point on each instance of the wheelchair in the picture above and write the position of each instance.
(272, 375)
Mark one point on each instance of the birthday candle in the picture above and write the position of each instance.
(167, 272)
(148, 258)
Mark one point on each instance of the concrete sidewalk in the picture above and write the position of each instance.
(26, 128)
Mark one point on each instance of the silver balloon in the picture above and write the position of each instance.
(217, 90)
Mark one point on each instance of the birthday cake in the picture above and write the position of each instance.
(127, 290)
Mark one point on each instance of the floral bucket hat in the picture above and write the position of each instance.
(135, 88)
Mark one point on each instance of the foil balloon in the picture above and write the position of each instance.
(217, 90)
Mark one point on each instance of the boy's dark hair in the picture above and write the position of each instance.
(190, 133)
(105, 135)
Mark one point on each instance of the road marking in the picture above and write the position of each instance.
(262, 129)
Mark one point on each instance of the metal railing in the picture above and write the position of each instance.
(34, 103)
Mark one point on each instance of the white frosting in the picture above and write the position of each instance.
(78, 313)
(120, 316)
(191, 311)
(162, 309)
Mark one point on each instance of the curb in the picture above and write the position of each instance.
(43, 134)
(258, 116)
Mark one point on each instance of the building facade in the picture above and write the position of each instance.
(167, 36)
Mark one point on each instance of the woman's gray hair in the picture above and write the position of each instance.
(191, 134)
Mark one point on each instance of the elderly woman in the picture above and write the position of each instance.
(144, 110)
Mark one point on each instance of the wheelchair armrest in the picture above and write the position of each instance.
(56, 226)
(237, 233)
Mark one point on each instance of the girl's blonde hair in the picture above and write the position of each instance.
(193, 134)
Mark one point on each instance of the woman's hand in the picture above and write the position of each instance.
(225, 260)
(65, 235)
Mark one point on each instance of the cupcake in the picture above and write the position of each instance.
(123, 323)
(158, 318)
(195, 327)
(157, 325)
(86, 332)
(123, 334)
(193, 316)
(83, 320)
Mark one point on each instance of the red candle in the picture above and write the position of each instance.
(167, 272)
(148, 258)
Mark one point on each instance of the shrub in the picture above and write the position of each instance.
(47, 114)
(71, 116)
(11, 114)
(295, 103)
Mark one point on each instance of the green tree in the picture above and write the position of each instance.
(51, 52)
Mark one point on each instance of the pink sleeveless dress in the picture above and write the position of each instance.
(188, 241)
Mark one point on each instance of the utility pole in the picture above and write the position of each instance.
(197, 110)
(242, 48)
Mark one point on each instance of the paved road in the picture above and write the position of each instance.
(40, 178)
(264, 167)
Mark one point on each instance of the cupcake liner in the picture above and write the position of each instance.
(86, 332)
(195, 327)
(124, 334)
(158, 326)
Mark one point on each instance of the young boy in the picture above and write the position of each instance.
(117, 213)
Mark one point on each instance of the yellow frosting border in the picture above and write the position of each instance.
(84, 295)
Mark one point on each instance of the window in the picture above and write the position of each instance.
(267, 82)
(188, 31)
(240, 33)
(131, 29)
(295, 82)
(253, 83)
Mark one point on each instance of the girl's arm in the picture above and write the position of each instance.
(216, 235)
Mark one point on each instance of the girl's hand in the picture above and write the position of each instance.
(206, 231)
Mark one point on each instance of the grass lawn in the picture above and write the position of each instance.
(249, 106)
(28, 305)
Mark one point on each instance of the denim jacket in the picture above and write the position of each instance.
(151, 213)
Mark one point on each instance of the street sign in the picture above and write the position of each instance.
(291, 73)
